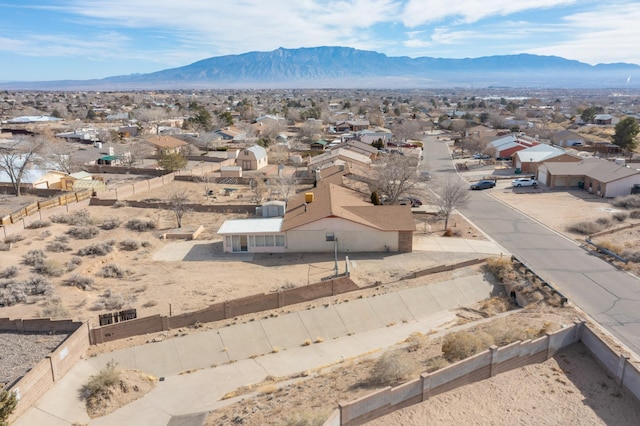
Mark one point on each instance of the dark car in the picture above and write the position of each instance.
(483, 184)
(413, 202)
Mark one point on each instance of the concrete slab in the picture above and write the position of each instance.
(125, 358)
(159, 359)
(293, 360)
(419, 301)
(35, 416)
(447, 294)
(358, 315)
(201, 350)
(245, 340)
(323, 322)
(475, 288)
(390, 308)
(285, 331)
(137, 413)
(188, 420)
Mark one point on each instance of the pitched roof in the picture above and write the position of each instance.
(595, 168)
(166, 142)
(331, 200)
(540, 153)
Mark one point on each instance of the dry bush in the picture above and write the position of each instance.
(415, 341)
(37, 285)
(604, 221)
(631, 255)
(9, 272)
(627, 202)
(97, 249)
(61, 239)
(109, 301)
(435, 364)
(501, 267)
(585, 228)
(129, 245)
(611, 246)
(49, 267)
(503, 332)
(112, 270)
(634, 214)
(14, 238)
(53, 308)
(4, 246)
(58, 247)
(36, 224)
(111, 223)
(72, 263)
(34, 257)
(306, 417)
(140, 225)
(392, 367)
(12, 292)
(497, 305)
(85, 232)
(77, 218)
(620, 216)
(79, 281)
(463, 344)
(44, 234)
(99, 386)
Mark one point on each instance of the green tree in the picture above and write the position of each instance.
(589, 114)
(626, 131)
(226, 118)
(172, 161)
(8, 402)
(91, 114)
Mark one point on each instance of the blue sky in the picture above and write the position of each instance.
(83, 39)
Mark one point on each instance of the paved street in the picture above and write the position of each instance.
(608, 295)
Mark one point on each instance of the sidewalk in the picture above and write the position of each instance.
(243, 354)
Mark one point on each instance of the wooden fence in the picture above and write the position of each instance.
(73, 197)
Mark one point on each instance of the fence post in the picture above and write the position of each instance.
(622, 362)
(426, 386)
(494, 360)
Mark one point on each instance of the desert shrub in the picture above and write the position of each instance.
(97, 249)
(100, 385)
(77, 280)
(585, 228)
(463, 344)
(44, 234)
(392, 367)
(140, 225)
(12, 292)
(49, 267)
(627, 202)
(72, 263)
(306, 417)
(634, 214)
(631, 255)
(61, 239)
(37, 285)
(36, 224)
(4, 246)
(504, 333)
(14, 238)
(8, 403)
(620, 216)
(109, 301)
(111, 223)
(112, 270)
(53, 308)
(9, 272)
(604, 221)
(610, 245)
(58, 247)
(145, 244)
(33, 257)
(77, 218)
(500, 267)
(435, 364)
(129, 245)
(83, 232)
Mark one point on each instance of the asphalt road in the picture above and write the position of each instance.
(610, 296)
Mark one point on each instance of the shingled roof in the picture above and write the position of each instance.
(330, 200)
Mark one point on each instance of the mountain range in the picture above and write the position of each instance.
(345, 67)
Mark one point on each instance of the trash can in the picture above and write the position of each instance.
(518, 171)
(581, 185)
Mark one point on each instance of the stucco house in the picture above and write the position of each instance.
(166, 144)
(506, 146)
(567, 138)
(596, 175)
(529, 159)
(252, 158)
(326, 218)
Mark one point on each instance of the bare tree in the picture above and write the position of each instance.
(258, 188)
(63, 156)
(450, 193)
(134, 152)
(179, 203)
(207, 181)
(17, 157)
(396, 176)
(285, 186)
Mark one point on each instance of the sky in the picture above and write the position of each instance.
(45, 40)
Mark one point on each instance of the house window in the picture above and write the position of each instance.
(259, 240)
(279, 240)
(330, 236)
(245, 153)
(228, 240)
(268, 241)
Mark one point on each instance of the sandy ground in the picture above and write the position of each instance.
(556, 392)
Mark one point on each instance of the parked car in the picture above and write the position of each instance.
(483, 184)
(524, 181)
(479, 156)
(413, 202)
(425, 175)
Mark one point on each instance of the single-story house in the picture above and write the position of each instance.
(567, 138)
(359, 147)
(319, 145)
(603, 119)
(166, 144)
(370, 136)
(351, 125)
(529, 159)
(252, 158)
(326, 218)
(338, 156)
(506, 146)
(230, 133)
(596, 175)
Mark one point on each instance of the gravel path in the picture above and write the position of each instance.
(19, 352)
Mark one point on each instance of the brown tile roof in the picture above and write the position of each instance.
(595, 168)
(330, 200)
(165, 142)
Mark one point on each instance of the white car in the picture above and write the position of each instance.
(525, 181)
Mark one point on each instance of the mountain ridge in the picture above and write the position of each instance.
(347, 67)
